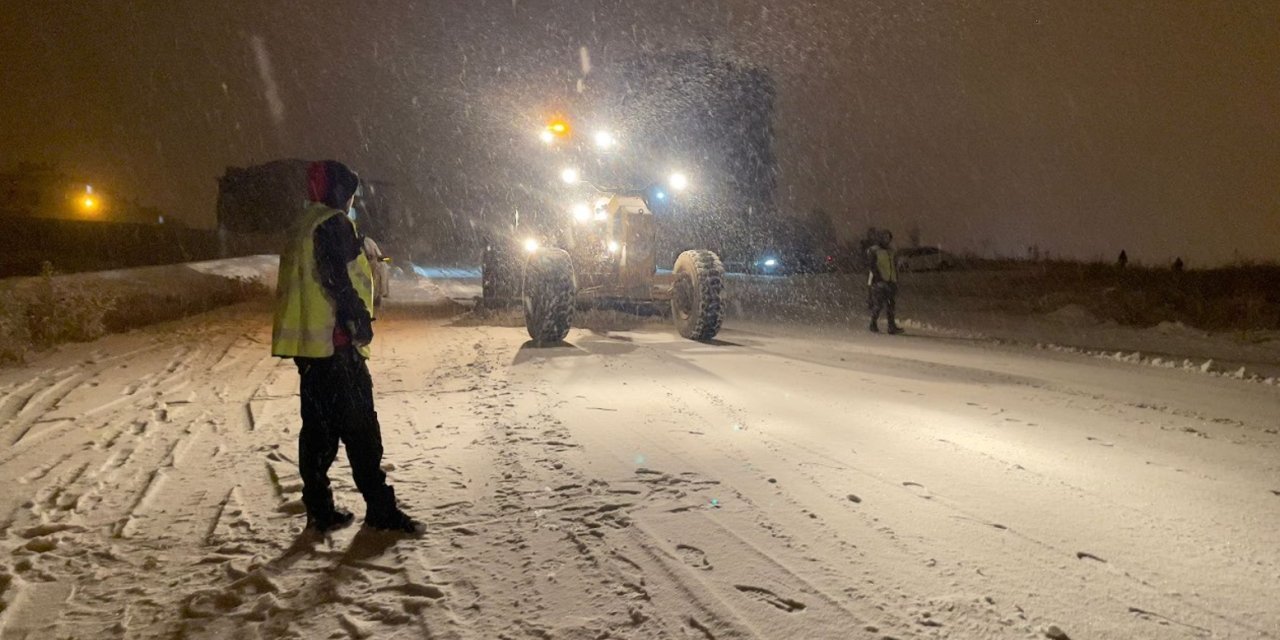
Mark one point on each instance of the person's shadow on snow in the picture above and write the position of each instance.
(365, 545)
(368, 544)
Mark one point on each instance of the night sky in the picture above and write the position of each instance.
(1083, 127)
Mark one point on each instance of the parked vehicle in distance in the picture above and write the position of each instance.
(769, 264)
(924, 259)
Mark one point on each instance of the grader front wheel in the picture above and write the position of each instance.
(695, 296)
(548, 292)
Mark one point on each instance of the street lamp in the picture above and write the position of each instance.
(605, 140)
(88, 202)
(570, 175)
(678, 181)
(581, 212)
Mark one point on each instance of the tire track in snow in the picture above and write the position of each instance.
(310, 580)
(1050, 555)
(38, 403)
(126, 474)
(717, 608)
(793, 539)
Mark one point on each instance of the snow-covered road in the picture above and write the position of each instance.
(783, 482)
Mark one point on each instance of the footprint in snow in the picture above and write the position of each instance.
(702, 631)
(693, 557)
(919, 489)
(1085, 555)
(772, 599)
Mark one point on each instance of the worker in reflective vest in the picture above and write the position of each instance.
(882, 282)
(324, 321)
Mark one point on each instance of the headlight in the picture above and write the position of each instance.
(531, 244)
(581, 212)
(613, 246)
(771, 262)
(570, 175)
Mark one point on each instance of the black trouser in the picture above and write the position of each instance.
(883, 297)
(337, 405)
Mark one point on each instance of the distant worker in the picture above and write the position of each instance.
(1178, 265)
(882, 282)
(1123, 260)
(324, 321)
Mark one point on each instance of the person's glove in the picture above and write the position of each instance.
(361, 329)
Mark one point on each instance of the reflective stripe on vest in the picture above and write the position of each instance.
(304, 314)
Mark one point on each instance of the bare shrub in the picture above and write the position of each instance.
(59, 312)
(49, 309)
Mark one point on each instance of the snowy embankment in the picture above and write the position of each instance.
(929, 304)
(40, 312)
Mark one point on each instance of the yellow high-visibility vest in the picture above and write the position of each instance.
(885, 264)
(305, 315)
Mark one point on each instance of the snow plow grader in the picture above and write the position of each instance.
(606, 257)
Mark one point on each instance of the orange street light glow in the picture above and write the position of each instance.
(557, 128)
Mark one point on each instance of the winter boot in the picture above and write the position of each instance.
(329, 521)
(873, 327)
(386, 516)
(892, 322)
(395, 521)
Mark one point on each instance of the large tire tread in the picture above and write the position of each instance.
(702, 271)
(549, 294)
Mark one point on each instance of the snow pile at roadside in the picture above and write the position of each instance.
(44, 311)
(260, 268)
(1168, 345)
(840, 301)
(454, 283)
(419, 291)
(1074, 314)
(1178, 329)
(1208, 367)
